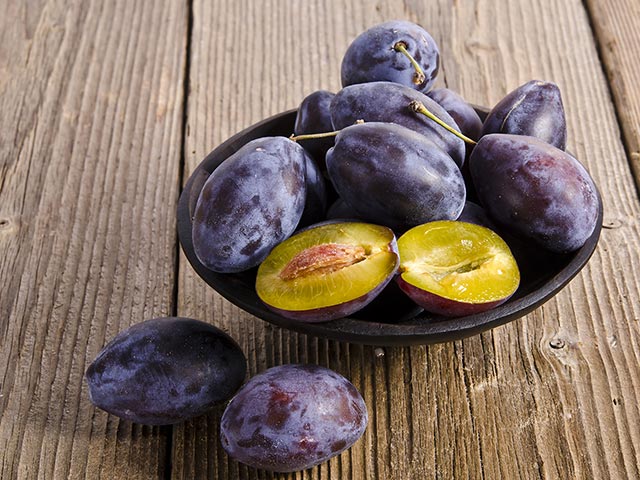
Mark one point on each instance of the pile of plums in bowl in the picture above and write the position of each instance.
(392, 213)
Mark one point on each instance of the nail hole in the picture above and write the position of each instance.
(611, 224)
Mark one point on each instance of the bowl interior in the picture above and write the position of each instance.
(393, 320)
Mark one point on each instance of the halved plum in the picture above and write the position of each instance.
(455, 268)
(328, 271)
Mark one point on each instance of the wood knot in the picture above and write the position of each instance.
(7, 224)
(557, 343)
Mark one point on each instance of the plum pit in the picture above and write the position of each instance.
(324, 258)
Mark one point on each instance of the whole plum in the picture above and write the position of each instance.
(474, 213)
(374, 55)
(313, 116)
(249, 204)
(166, 370)
(341, 210)
(389, 102)
(293, 417)
(535, 190)
(393, 176)
(464, 115)
(534, 109)
(315, 205)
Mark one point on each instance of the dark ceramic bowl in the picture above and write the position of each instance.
(393, 320)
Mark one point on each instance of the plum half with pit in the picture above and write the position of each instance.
(328, 271)
(454, 268)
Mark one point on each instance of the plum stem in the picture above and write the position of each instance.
(311, 136)
(418, 76)
(419, 107)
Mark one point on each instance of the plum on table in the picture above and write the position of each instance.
(292, 417)
(166, 370)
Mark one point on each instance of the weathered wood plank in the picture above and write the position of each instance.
(549, 396)
(90, 144)
(617, 34)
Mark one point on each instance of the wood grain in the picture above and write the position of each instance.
(618, 40)
(91, 100)
(92, 105)
(542, 397)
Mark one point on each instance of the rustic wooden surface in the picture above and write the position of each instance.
(106, 108)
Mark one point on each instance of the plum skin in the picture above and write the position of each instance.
(166, 370)
(460, 110)
(249, 204)
(393, 176)
(389, 102)
(313, 116)
(535, 191)
(371, 56)
(292, 417)
(444, 306)
(533, 109)
(315, 204)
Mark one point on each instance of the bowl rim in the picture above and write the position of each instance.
(422, 329)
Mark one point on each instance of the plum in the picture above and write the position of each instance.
(313, 116)
(249, 204)
(391, 305)
(474, 213)
(327, 271)
(535, 191)
(292, 417)
(390, 102)
(534, 109)
(315, 204)
(393, 176)
(395, 51)
(455, 268)
(166, 370)
(463, 114)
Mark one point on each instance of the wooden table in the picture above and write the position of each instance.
(105, 109)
